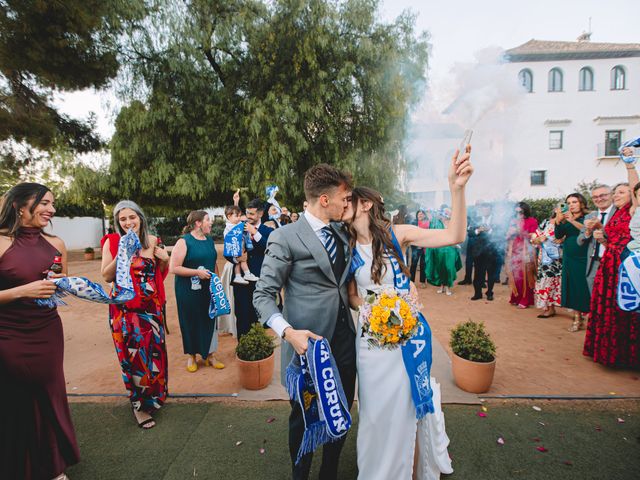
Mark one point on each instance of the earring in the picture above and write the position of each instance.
(20, 213)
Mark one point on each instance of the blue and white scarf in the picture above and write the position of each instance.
(219, 303)
(314, 382)
(233, 241)
(629, 283)
(85, 289)
(416, 353)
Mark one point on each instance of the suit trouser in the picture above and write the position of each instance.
(595, 264)
(343, 348)
(468, 264)
(417, 260)
(485, 266)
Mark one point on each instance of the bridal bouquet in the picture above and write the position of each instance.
(388, 318)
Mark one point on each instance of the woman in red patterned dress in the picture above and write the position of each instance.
(137, 326)
(613, 335)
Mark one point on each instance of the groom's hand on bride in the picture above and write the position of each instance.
(299, 339)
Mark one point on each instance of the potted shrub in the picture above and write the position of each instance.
(473, 359)
(89, 253)
(255, 357)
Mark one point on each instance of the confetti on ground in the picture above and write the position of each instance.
(541, 449)
(262, 450)
(598, 428)
(612, 393)
(635, 378)
(536, 439)
(516, 414)
(620, 420)
(568, 462)
(541, 423)
(537, 409)
(238, 443)
(485, 409)
(271, 419)
(500, 441)
(482, 414)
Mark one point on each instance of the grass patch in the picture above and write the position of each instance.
(198, 440)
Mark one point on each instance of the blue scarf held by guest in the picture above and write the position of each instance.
(85, 289)
(629, 283)
(219, 303)
(233, 241)
(313, 381)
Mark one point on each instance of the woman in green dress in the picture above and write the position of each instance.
(575, 291)
(192, 257)
(442, 264)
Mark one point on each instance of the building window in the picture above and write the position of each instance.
(555, 80)
(618, 79)
(526, 79)
(612, 139)
(555, 139)
(538, 177)
(586, 80)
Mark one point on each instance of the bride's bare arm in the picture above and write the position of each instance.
(459, 173)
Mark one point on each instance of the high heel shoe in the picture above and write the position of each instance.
(192, 365)
(577, 324)
(212, 362)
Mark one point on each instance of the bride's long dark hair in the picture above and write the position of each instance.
(380, 229)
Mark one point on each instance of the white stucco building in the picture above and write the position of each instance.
(577, 102)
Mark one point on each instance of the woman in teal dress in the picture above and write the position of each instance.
(575, 291)
(195, 250)
(442, 264)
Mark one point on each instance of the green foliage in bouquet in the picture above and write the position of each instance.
(470, 341)
(255, 345)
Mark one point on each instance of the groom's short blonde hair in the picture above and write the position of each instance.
(322, 178)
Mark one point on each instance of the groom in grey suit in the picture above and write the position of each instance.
(310, 259)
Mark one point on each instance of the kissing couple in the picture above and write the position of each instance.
(313, 259)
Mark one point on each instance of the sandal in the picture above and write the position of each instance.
(145, 424)
(577, 324)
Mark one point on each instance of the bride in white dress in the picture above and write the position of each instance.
(392, 443)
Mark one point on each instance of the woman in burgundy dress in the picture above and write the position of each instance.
(137, 326)
(613, 335)
(521, 257)
(37, 440)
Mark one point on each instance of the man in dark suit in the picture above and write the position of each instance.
(485, 254)
(310, 260)
(243, 294)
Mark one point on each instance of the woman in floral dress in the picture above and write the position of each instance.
(549, 279)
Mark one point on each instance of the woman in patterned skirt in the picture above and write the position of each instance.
(137, 326)
(548, 282)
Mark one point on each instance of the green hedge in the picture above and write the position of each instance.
(541, 208)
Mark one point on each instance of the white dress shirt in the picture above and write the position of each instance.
(277, 321)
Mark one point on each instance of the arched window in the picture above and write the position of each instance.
(618, 78)
(586, 80)
(555, 80)
(526, 79)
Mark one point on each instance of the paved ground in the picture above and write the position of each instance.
(535, 356)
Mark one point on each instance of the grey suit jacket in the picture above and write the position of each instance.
(297, 261)
(583, 239)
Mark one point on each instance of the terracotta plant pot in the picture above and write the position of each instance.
(473, 377)
(256, 375)
(89, 256)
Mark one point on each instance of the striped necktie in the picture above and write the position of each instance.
(329, 242)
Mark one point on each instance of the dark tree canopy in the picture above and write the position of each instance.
(245, 93)
(56, 46)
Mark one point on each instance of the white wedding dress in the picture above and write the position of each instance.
(388, 427)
